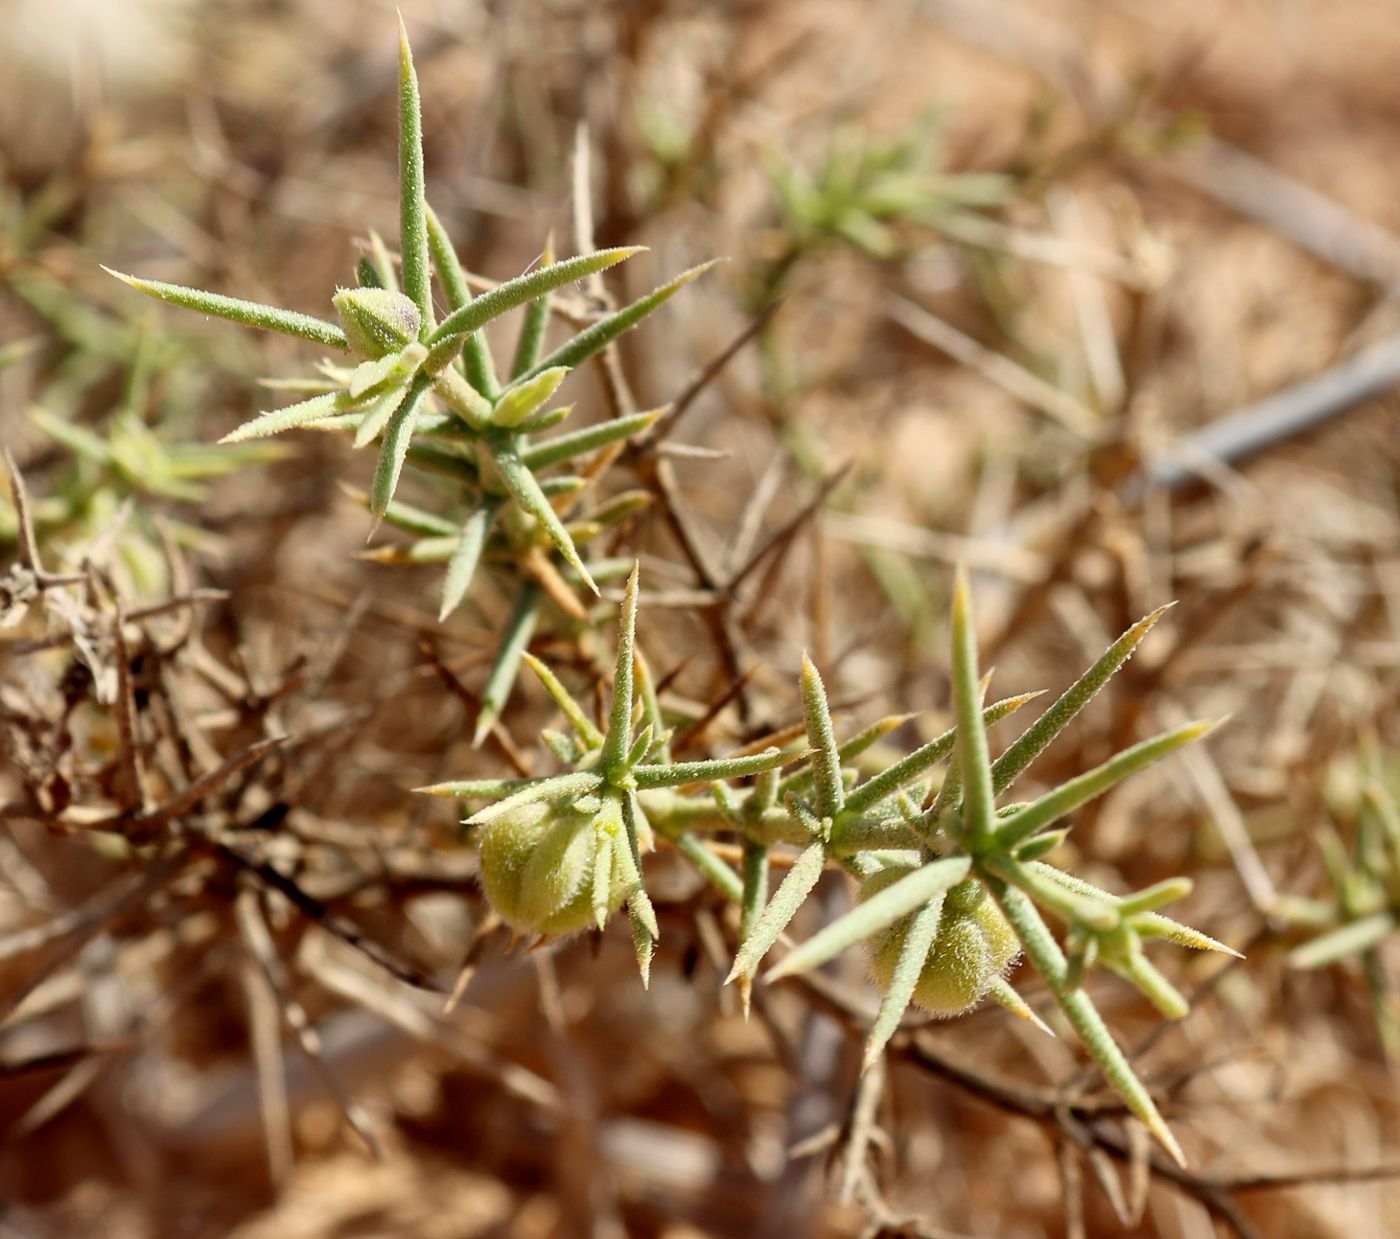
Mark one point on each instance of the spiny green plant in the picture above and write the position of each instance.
(1363, 909)
(561, 851)
(428, 392)
(952, 887)
(862, 193)
(122, 474)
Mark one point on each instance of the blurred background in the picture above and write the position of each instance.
(1096, 298)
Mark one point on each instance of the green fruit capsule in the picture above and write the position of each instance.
(537, 868)
(377, 321)
(973, 946)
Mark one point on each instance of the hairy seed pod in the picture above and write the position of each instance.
(973, 946)
(537, 868)
(377, 322)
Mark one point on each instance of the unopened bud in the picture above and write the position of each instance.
(973, 946)
(537, 868)
(376, 321)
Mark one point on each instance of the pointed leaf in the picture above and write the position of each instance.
(755, 893)
(249, 313)
(523, 398)
(413, 224)
(883, 785)
(676, 774)
(1135, 967)
(603, 861)
(711, 867)
(520, 627)
(1069, 796)
(1155, 925)
(525, 489)
(618, 739)
(913, 955)
(532, 330)
(871, 916)
(579, 442)
(1035, 739)
(1344, 942)
(1044, 952)
(826, 758)
(397, 435)
(292, 417)
(556, 787)
(578, 718)
(1000, 991)
(376, 417)
(462, 566)
(527, 287)
(790, 895)
(599, 335)
(974, 763)
(476, 353)
(476, 789)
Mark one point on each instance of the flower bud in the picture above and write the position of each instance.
(537, 868)
(377, 322)
(973, 946)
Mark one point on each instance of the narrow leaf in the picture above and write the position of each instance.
(618, 740)
(462, 566)
(476, 354)
(1145, 924)
(979, 808)
(520, 627)
(1161, 993)
(590, 438)
(676, 774)
(1035, 739)
(883, 785)
(878, 912)
(376, 417)
(523, 398)
(557, 787)
(413, 224)
(755, 893)
(790, 895)
(249, 313)
(477, 313)
(531, 342)
(826, 758)
(1344, 942)
(398, 433)
(1044, 952)
(475, 789)
(711, 867)
(525, 489)
(1000, 991)
(1046, 811)
(293, 416)
(913, 955)
(583, 726)
(599, 335)
(603, 860)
